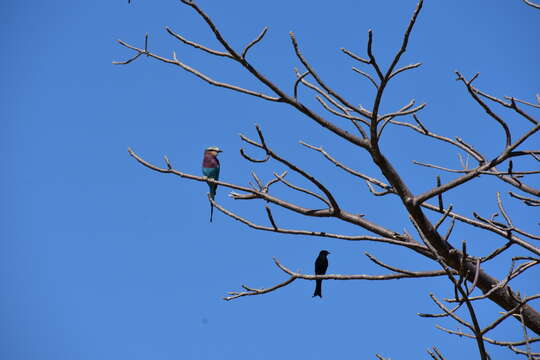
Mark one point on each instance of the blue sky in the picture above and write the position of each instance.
(101, 258)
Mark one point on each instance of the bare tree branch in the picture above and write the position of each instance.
(334, 207)
(298, 80)
(281, 179)
(319, 80)
(366, 75)
(509, 344)
(346, 168)
(511, 105)
(526, 200)
(530, 3)
(315, 233)
(354, 56)
(257, 39)
(474, 173)
(465, 171)
(404, 68)
(523, 102)
(488, 110)
(403, 271)
(175, 61)
(197, 45)
(295, 275)
(458, 142)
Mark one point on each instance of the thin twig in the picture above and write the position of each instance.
(365, 74)
(257, 39)
(197, 45)
(355, 57)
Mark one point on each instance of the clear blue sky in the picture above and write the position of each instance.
(101, 258)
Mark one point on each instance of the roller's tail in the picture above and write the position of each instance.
(213, 188)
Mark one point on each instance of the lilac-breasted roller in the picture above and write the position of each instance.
(210, 169)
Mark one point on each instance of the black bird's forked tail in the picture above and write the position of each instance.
(318, 288)
(211, 211)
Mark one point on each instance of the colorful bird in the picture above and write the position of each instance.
(321, 264)
(210, 169)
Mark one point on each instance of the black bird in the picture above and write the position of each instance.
(321, 264)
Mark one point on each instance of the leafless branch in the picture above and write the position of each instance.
(354, 56)
(465, 171)
(366, 75)
(358, 276)
(405, 110)
(403, 271)
(476, 172)
(503, 212)
(378, 193)
(512, 273)
(127, 61)
(323, 93)
(526, 200)
(444, 314)
(438, 354)
(314, 233)
(450, 313)
(247, 157)
(297, 275)
(509, 344)
(439, 197)
(300, 77)
(511, 105)
(458, 142)
(372, 60)
(197, 45)
(175, 61)
(402, 112)
(405, 41)
(526, 337)
(530, 3)
(345, 112)
(508, 230)
(501, 319)
(334, 208)
(488, 110)
(319, 80)
(475, 327)
(257, 39)
(445, 215)
(281, 179)
(404, 68)
(346, 168)
(523, 102)
(251, 291)
(345, 115)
